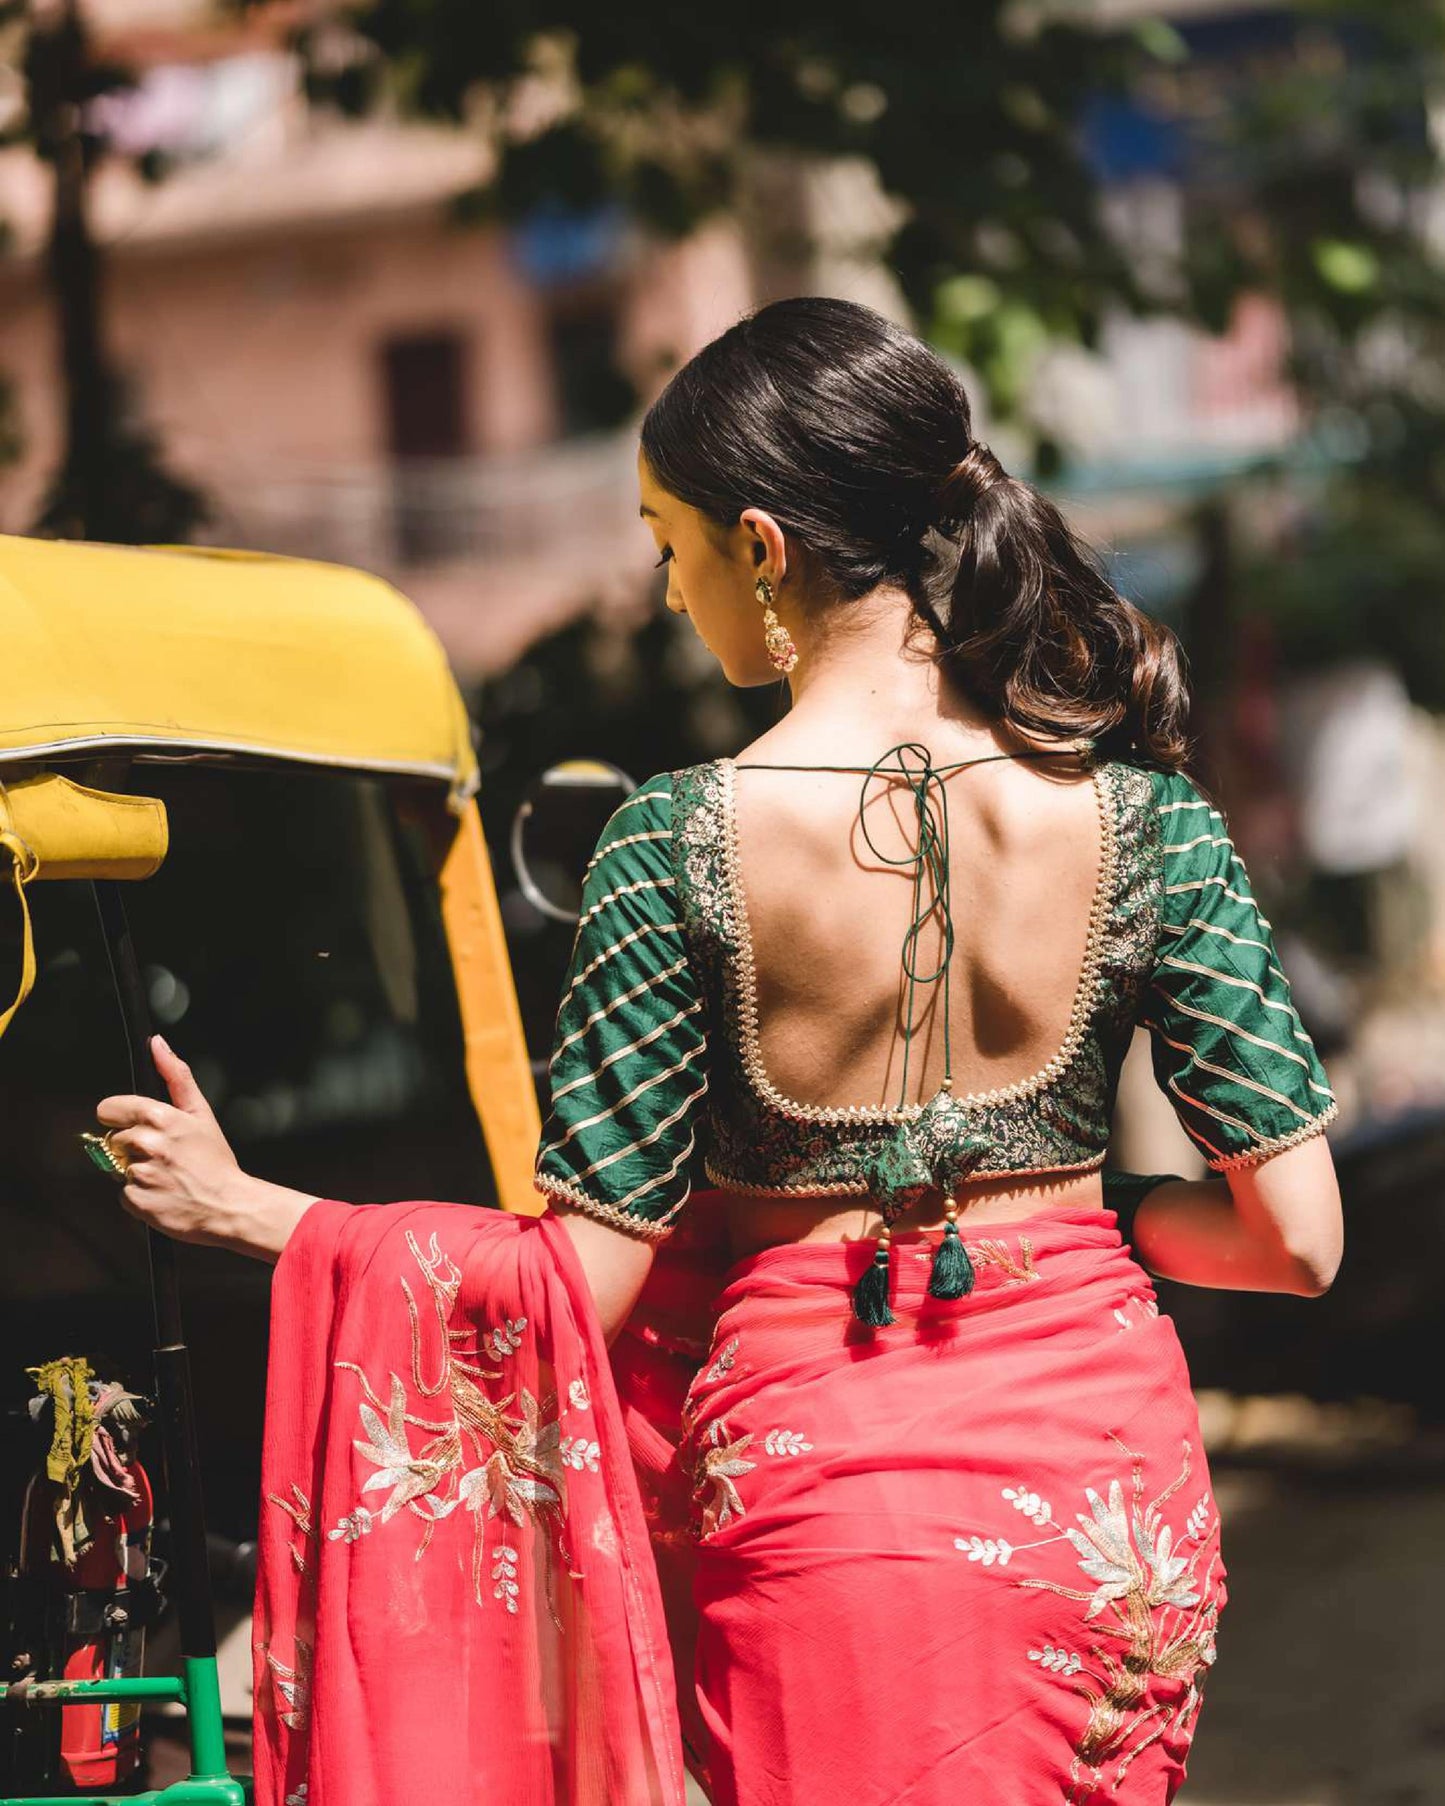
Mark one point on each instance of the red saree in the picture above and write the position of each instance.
(973, 1555)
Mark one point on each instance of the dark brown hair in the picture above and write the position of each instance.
(857, 437)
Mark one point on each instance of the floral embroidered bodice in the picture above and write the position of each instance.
(657, 1044)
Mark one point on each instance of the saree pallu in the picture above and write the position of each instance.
(456, 1602)
(973, 1556)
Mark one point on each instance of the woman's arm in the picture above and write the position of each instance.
(184, 1181)
(616, 1264)
(1245, 1079)
(1272, 1225)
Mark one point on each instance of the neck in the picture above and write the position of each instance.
(870, 667)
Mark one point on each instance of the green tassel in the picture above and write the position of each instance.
(870, 1295)
(952, 1272)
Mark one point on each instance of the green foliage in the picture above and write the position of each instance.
(973, 120)
(1310, 171)
(1363, 574)
(969, 121)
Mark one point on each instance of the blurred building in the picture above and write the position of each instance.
(343, 369)
(348, 372)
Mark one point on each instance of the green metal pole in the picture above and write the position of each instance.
(203, 1716)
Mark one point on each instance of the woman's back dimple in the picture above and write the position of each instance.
(824, 918)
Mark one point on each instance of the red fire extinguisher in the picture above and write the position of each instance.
(86, 1548)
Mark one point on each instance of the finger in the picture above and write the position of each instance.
(138, 1144)
(186, 1094)
(135, 1203)
(123, 1112)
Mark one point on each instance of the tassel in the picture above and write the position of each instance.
(952, 1272)
(870, 1295)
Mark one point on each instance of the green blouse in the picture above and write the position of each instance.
(655, 1058)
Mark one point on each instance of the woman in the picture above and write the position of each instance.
(916, 1453)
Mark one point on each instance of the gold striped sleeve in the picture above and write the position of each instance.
(628, 1069)
(1228, 1046)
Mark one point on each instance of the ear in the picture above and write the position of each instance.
(767, 544)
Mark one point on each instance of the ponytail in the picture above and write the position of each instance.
(1036, 633)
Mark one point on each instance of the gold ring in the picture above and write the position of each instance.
(104, 1156)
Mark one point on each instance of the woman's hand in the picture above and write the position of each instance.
(183, 1178)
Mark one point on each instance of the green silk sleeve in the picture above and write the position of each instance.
(628, 1069)
(1227, 1043)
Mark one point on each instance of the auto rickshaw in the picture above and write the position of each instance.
(255, 781)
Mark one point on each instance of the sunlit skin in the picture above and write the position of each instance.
(1273, 1226)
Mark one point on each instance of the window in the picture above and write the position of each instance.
(427, 422)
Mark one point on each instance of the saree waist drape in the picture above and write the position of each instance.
(971, 1556)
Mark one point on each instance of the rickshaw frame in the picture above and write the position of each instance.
(167, 653)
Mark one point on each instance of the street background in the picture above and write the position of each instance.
(390, 285)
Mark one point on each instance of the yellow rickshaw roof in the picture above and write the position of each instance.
(224, 652)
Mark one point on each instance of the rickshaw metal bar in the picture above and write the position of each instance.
(146, 1686)
(190, 1565)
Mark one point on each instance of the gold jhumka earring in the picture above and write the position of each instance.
(781, 649)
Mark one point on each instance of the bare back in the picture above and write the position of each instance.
(827, 918)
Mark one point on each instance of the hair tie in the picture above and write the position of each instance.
(976, 472)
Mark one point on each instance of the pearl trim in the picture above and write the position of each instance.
(647, 1229)
(744, 976)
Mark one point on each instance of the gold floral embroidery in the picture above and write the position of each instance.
(722, 1461)
(1156, 1597)
(494, 1457)
(292, 1681)
(722, 1457)
(992, 1253)
(298, 1509)
(724, 1362)
(721, 1366)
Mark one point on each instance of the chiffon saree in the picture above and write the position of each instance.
(973, 1555)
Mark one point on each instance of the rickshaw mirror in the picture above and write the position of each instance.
(556, 828)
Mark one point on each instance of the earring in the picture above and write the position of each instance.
(781, 649)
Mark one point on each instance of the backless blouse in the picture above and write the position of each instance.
(655, 1064)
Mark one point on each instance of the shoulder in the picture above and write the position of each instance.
(1194, 837)
(1181, 801)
